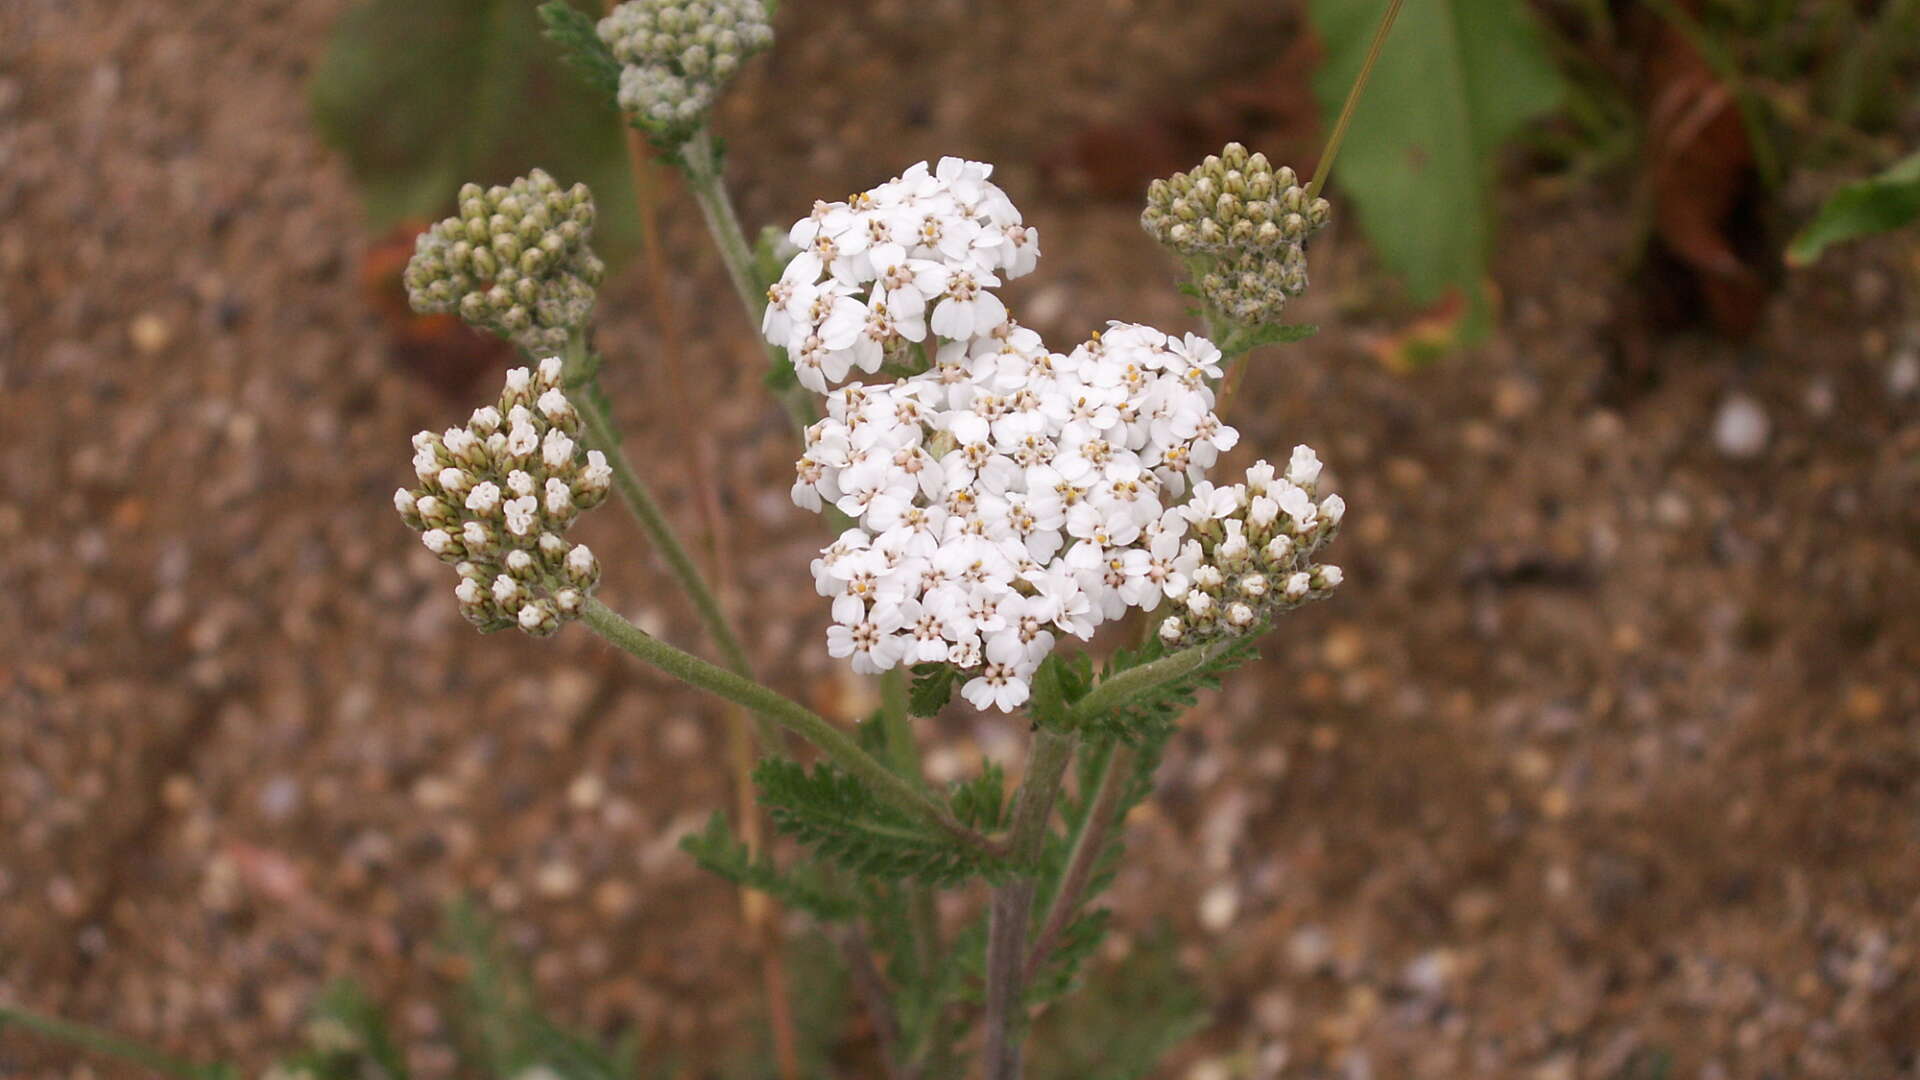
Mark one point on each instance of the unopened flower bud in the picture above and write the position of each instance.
(1172, 630)
(521, 566)
(1333, 508)
(675, 59)
(581, 567)
(477, 538)
(477, 265)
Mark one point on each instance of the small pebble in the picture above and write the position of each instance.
(1903, 373)
(1218, 907)
(1741, 428)
(1309, 949)
(149, 333)
(557, 880)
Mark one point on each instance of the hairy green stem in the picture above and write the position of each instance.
(897, 724)
(106, 1043)
(1012, 904)
(1130, 685)
(602, 436)
(700, 162)
(786, 712)
(1084, 847)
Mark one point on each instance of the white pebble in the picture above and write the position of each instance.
(1741, 428)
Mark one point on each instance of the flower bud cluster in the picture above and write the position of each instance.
(1250, 552)
(675, 55)
(496, 498)
(1006, 493)
(515, 261)
(1244, 224)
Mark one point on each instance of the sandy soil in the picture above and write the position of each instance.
(1609, 748)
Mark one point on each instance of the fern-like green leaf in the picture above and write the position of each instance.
(846, 822)
(582, 50)
(981, 803)
(1124, 1021)
(716, 849)
(1060, 973)
(1057, 684)
(932, 688)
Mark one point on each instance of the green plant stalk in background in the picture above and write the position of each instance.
(110, 1045)
(701, 163)
(1012, 904)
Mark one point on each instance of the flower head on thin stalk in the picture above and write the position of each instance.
(1242, 227)
(676, 55)
(1249, 555)
(496, 497)
(514, 261)
(1005, 494)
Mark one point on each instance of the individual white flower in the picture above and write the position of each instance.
(484, 499)
(1299, 506)
(1003, 683)
(522, 514)
(1303, 468)
(1210, 503)
(556, 450)
(868, 643)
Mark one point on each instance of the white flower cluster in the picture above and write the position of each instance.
(1005, 492)
(1250, 555)
(878, 272)
(495, 497)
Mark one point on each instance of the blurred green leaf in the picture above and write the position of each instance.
(421, 96)
(503, 1032)
(1455, 80)
(1124, 1021)
(805, 888)
(1878, 204)
(574, 31)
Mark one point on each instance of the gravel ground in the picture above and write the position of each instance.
(1609, 748)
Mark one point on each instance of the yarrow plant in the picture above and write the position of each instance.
(996, 501)
(1005, 495)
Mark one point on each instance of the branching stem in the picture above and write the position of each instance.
(1130, 685)
(602, 436)
(700, 163)
(1012, 904)
(1084, 852)
(789, 714)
